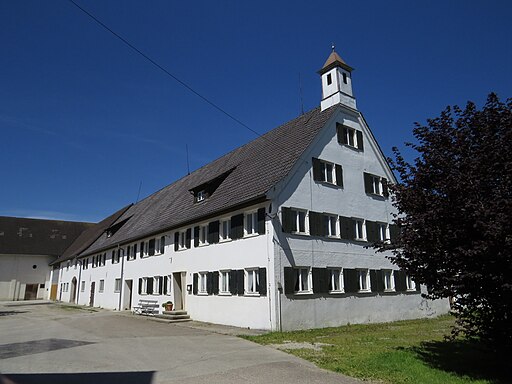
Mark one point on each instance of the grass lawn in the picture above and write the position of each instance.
(401, 352)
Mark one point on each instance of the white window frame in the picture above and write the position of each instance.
(101, 286)
(201, 196)
(304, 274)
(117, 285)
(202, 288)
(298, 220)
(144, 288)
(328, 173)
(383, 230)
(203, 235)
(351, 137)
(168, 288)
(333, 279)
(388, 276)
(157, 245)
(251, 223)
(156, 285)
(182, 240)
(332, 223)
(377, 187)
(252, 275)
(363, 281)
(224, 282)
(410, 283)
(82, 286)
(360, 229)
(225, 230)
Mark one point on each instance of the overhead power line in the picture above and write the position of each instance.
(134, 48)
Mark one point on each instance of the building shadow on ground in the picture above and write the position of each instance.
(10, 313)
(79, 378)
(466, 359)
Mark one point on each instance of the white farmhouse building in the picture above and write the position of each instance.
(274, 235)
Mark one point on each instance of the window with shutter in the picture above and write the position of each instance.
(151, 247)
(213, 232)
(263, 281)
(363, 280)
(400, 281)
(162, 244)
(375, 185)
(330, 225)
(388, 280)
(347, 226)
(176, 241)
(195, 283)
(240, 281)
(237, 226)
(225, 230)
(252, 279)
(233, 286)
(215, 283)
(196, 237)
(350, 280)
(372, 231)
(261, 221)
(335, 281)
(188, 238)
(224, 288)
(320, 280)
(289, 281)
(316, 224)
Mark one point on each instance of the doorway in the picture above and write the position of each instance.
(127, 294)
(91, 297)
(31, 291)
(73, 290)
(178, 279)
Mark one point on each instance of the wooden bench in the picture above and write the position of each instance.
(146, 307)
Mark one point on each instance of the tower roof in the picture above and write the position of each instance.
(334, 60)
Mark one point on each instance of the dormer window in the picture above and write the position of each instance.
(201, 195)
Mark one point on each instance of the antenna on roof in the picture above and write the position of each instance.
(188, 165)
(300, 94)
(138, 193)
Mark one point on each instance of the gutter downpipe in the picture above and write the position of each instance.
(122, 276)
(79, 281)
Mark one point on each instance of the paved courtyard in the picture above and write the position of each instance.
(42, 342)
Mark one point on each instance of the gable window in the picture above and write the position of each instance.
(335, 280)
(375, 185)
(327, 172)
(117, 285)
(252, 281)
(389, 280)
(331, 225)
(303, 280)
(349, 136)
(363, 277)
(251, 223)
(225, 230)
(360, 229)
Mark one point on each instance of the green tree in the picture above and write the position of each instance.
(455, 214)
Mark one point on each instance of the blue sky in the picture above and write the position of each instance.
(84, 120)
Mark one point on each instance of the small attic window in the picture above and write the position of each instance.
(201, 195)
(329, 79)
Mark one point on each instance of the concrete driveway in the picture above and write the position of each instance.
(42, 342)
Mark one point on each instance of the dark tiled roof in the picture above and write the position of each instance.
(256, 167)
(90, 235)
(23, 236)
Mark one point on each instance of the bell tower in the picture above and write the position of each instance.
(336, 82)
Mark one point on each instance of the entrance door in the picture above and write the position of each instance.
(91, 298)
(73, 290)
(178, 279)
(31, 291)
(127, 294)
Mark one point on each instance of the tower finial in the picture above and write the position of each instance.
(332, 46)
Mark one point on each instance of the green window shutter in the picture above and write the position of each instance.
(347, 228)
(209, 283)
(320, 280)
(151, 247)
(385, 190)
(215, 288)
(350, 280)
(162, 244)
(176, 241)
(188, 238)
(317, 170)
(289, 280)
(287, 220)
(240, 274)
(360, 145)
(237, 226)
(263, 281)
(339, 175)
(372, 231)
(196, 237)
(213, 232)
(233, 287)
(195, 283)
(261, 221)
(316, 224)
(400, 284)
(368, 187)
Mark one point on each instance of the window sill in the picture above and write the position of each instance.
(389, 290)
(225, 240)
(365, 291)
(336, 292)
(302, 293)
(225, 294)
(300, 233)
(202, 293)
(247, 235)
(202, 245)
(252, 294)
